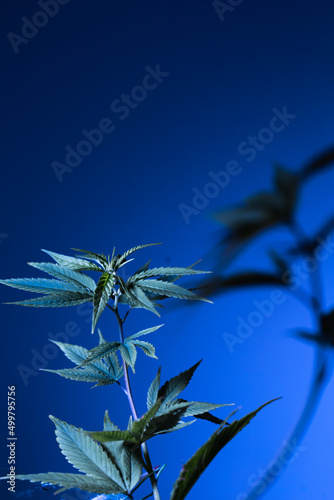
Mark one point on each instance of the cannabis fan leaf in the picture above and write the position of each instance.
(100, 372)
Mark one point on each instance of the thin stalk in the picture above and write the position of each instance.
(128, 392)
(289, 448)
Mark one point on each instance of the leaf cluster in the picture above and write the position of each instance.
(101, 372)
(106, 469)
(72, 287)
(164, 412)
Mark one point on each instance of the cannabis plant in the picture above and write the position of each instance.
(113, 461)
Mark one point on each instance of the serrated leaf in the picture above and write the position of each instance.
(101, 338)
(123, 257)
(106, 436)
(192, 408)
(161, 424)
(148, 348)
(113, 364)
(98, 257)
(79, 279)
(172, 388)
(177, 427)
(192, 470)
(165, 271)
(99, 372)
(113, 448)
(169, 290)
(90, 374)
(100, 352)
(86, 454)
(129, 354)
(138, 298)
(138, 427)
(40, 285)
(102, 295)
(131, 465)
(75, 353)
(68, 481)
(58, 299)
(143, 332)
(202, 413)
(136, 432)
(107, 423)
(152, 393)
(74, 263)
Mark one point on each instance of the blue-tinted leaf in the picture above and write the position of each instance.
(107, 436)
(122, 258)
(165, 271)
(148, 348)
(192, 408)
(40, 285)
(65, 274)
(98, 257)
(76, 264)
(59, 299)
(89, 373)
(139, 299)
(68, 481)
(161, 424)
(143, 332)
(172, 388)
(75, 353)
(102, 295)
(138, 427)
(176, 427)
(136, 432)
(153, 390)
(109, 369)
(168, 289)
(86, 454)
(101, 351)
(113, 448)
(129, 354)
(112, 361)
(113, 364)
(131, 465)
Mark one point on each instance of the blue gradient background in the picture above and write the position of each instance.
(224, 80)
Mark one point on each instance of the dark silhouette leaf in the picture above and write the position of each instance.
(192, 470)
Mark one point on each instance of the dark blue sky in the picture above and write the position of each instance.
(181, 96)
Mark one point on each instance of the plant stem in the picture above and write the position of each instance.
(148, 462)
(289, 448)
